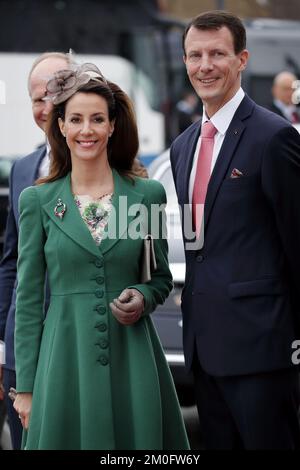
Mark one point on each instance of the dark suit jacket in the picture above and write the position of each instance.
(241, 296)
(23, 174)
(278, 111)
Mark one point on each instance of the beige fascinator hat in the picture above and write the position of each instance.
(65, 83)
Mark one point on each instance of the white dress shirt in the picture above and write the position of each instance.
(2, 353)
(221, 120)
(45, 163)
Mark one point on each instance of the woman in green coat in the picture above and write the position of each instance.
(92, 374)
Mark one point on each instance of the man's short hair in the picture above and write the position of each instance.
(67, 57)
(216, 19)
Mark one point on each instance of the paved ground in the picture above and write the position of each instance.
(5, 438)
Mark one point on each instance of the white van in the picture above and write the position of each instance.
(20, 135)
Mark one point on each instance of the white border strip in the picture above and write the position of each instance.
(2, 92)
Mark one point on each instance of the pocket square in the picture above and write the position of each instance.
(236, 173)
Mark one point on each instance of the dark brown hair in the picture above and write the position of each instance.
(122, 145)
(216, 19)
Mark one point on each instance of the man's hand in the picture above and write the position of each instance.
(128, 307)
(22, 405)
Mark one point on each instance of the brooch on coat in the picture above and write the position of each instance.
(60, 209)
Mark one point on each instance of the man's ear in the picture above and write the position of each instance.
(61, 124)
(244, 56)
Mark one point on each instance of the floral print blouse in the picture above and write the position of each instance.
(95, 213)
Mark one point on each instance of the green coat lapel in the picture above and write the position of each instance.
(71, 224)
(126, 204)
(74, 227)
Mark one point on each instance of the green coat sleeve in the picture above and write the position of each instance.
(157, 290)
(30, 290)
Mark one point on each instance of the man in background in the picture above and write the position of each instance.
(282, 91)
(187, 110)
(23, 174)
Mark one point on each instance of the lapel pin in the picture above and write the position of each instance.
(60, 209)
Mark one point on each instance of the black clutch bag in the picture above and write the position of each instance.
(148, 259)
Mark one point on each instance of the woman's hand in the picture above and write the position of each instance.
(22, 405)
(128, 307)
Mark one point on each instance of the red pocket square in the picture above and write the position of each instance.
(236, 173)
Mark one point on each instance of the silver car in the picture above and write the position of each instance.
(167, 318)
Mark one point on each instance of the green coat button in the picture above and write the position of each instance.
(102, 327)
(99, 263)
(103, 360)
(103, 343)
(99, 293)
(99, 279)
(100, 309)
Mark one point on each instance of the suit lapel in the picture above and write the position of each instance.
(189, 149)
(231, 140)
(75, 228)
(28, 177)
(35, 168)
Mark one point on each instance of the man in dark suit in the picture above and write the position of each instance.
(24, 173)
(241, 299)
(282, 91)
(187, 110)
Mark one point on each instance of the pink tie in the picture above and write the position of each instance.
(202, 176)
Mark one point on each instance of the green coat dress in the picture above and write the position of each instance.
(96, 383)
